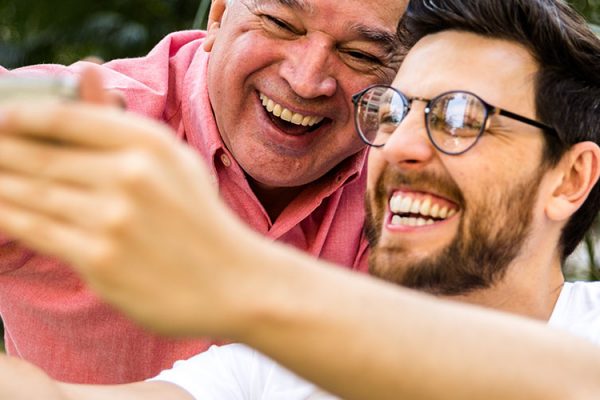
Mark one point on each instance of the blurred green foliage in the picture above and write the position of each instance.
(41, 31)
(589, 8)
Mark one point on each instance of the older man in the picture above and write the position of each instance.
(267, 107)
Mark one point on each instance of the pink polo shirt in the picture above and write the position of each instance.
(54, 321)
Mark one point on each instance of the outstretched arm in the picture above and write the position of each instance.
(20, 380)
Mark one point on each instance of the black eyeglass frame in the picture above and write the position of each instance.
(407, 102)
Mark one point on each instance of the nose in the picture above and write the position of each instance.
(409, 146)
(308, 67)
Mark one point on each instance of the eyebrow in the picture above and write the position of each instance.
(300, 5)
(388, 40)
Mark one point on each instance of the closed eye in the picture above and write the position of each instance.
(363, 57)
(279, 24)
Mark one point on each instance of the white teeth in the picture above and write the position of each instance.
(405, 205)
(435, 211)
(425, 207)
(416, 207)
(400, 204)
(287, 115)
(395, 202)
(270, 105)
(297, 119)
(405, 221)
(444, 212)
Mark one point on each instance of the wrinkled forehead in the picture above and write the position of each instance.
(387, 12)
(499, 71)
(300, 5)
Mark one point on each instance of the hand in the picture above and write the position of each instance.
(20, 380)
(128, 205)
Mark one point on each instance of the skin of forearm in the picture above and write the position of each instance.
(21, 380)
(366, 339)
(134, 391)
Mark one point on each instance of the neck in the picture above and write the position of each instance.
(530, 289)
(274, 199)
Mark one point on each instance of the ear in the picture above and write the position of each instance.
(578, 172)
(215, 15)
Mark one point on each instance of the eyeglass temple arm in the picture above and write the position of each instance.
(523, 119)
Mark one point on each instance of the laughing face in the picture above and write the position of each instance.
(281, 76)
(452, 224)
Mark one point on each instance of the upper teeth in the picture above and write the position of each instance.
(287, 115)
(405, 204)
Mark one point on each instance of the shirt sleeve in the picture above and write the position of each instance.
(236, 372)
(213, 374)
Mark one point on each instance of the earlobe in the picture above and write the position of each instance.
(215, 15)
(579, 171)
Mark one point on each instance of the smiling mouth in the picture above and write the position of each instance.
(411, 210)
(291, 122)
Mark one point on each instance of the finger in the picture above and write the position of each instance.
(116, 98)
(49, 236)
(80, 166)
(85, 209)
(83, 124)
(90, 86)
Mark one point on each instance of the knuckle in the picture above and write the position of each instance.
(135, 169)
(118, 215)
(102, 256)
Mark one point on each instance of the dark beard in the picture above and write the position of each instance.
(477, 257)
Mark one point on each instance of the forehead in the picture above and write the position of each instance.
(499, 71)
(350, 14)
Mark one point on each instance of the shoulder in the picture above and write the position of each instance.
(578, 310)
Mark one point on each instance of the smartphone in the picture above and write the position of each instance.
(30, 88)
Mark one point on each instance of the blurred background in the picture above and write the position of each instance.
(64, 31)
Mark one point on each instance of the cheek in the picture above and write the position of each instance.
(376, 166)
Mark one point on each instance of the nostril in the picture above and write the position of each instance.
(309, 80)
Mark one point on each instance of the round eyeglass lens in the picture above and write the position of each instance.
(379, 112)
(455, 121)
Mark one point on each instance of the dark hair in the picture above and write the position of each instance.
(567, 85)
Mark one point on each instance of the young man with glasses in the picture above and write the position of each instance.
(501, 168)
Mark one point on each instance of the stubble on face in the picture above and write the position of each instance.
(490, 235)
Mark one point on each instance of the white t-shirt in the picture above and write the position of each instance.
(237, 372)
(578, 310)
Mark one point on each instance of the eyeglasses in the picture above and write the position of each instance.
(454, 120)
